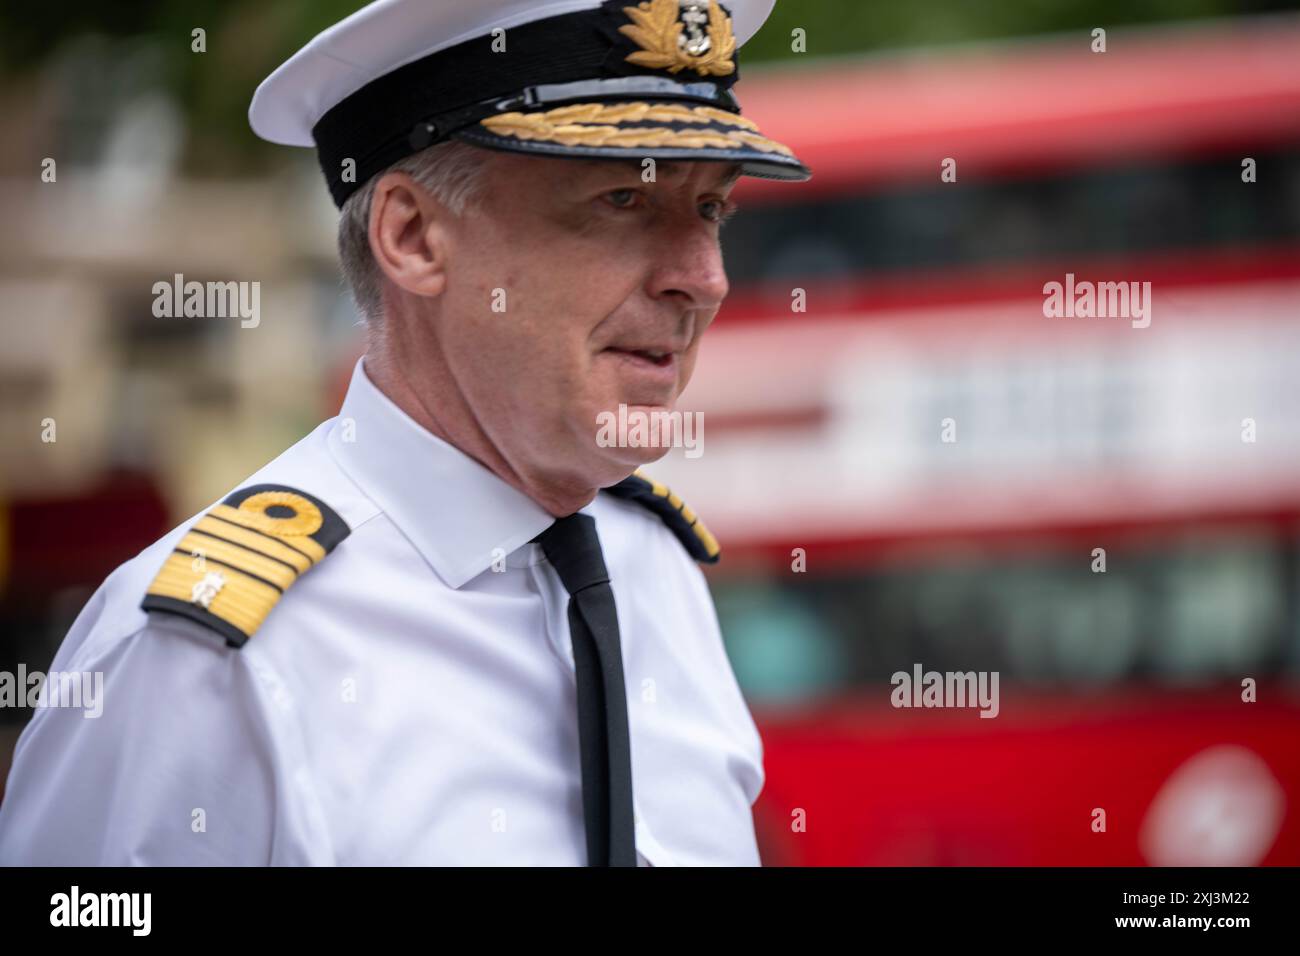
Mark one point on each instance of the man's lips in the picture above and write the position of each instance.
(658, 356)
(653, 365)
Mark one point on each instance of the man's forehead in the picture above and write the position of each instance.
(717, 173)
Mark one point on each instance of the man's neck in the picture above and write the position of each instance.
(436, 406)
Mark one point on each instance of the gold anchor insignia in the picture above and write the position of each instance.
(657, 25)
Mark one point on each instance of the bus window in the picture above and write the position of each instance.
(1179, 612)
(1132, 208)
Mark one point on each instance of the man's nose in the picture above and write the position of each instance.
(688, 267)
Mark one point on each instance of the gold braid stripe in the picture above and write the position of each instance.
(242, 601)
(711, 546)
(559, 126)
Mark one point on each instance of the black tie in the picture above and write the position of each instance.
(573, 548)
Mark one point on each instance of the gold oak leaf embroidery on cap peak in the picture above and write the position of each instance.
(598, 127)
(656, 27)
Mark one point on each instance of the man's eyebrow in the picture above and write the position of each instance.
(626, 165)
(736, 170)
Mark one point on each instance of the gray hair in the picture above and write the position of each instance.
(450, 171)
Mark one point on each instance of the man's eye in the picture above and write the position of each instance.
(622, 198)
(717, 210)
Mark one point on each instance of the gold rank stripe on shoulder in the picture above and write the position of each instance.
(681, 520)
(235, 563)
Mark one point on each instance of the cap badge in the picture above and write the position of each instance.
(673, 36)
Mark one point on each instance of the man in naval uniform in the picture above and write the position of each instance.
(451, 626)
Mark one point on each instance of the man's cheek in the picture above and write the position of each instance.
(688, 370)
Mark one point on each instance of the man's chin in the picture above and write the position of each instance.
(618, 460)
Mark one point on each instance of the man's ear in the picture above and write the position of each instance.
(408, 235)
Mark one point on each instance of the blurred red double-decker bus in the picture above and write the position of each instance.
(914, 468)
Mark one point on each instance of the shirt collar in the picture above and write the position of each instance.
(452, 509)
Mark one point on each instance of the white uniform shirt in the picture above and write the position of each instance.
(403, 703)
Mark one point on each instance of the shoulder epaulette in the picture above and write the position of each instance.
(237, 561)
(681, 520)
